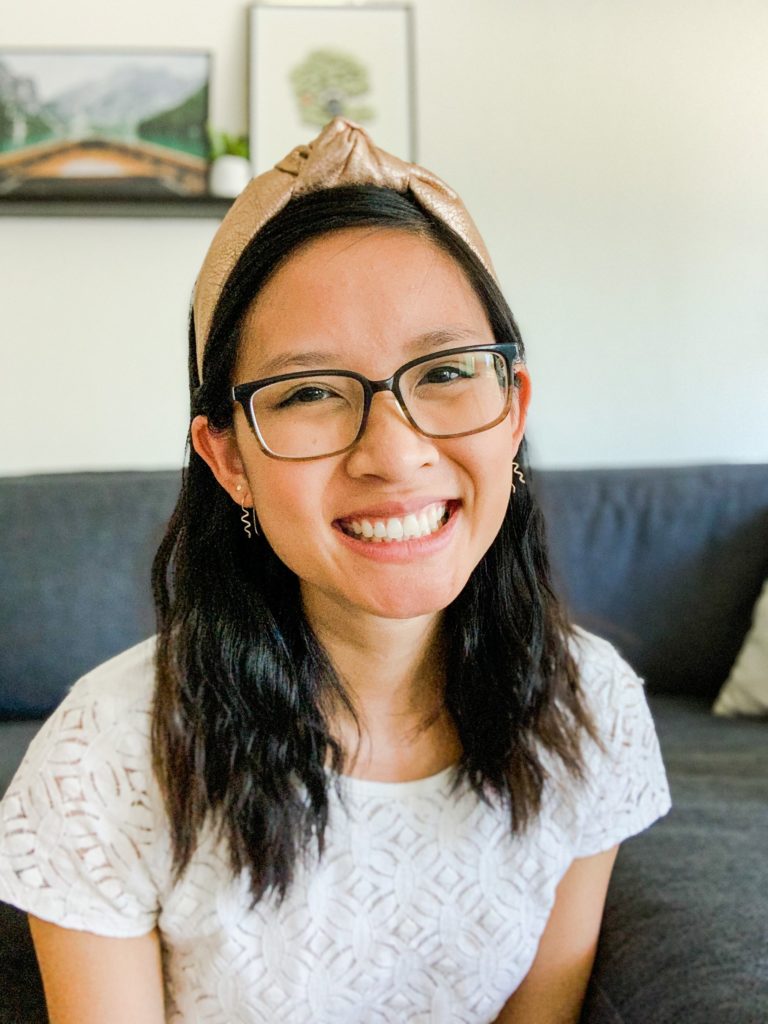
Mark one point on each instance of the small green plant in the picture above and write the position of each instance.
(223, 144)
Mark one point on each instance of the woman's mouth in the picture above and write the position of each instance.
(396, 529)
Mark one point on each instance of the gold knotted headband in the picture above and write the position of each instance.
(342, 154)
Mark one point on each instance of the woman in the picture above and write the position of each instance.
(367, 771)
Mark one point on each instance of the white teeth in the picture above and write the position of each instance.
(394, 529)
(409, 527)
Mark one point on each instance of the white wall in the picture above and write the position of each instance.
(614, 154)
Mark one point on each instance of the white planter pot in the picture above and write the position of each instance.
(228, 176)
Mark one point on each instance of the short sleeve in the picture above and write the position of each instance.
(627, 788)
(79, 823)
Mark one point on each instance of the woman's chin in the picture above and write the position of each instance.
(411, 601)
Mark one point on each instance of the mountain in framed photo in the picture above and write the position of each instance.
(103, 123)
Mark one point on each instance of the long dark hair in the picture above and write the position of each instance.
(240, 720)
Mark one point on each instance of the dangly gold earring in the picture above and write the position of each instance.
(516, 471)
(246, 520)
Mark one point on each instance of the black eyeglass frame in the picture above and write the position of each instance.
(243, 393)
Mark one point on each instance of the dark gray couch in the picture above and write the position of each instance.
(666, 563)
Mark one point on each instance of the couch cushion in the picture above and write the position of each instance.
(75, 552)
(666, 563)
(685, 931)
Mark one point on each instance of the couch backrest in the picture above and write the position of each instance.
(75, 557)
(667, 563)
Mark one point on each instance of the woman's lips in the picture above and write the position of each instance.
(421, 522)
(422, 534)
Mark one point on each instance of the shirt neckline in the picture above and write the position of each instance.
(414, 787)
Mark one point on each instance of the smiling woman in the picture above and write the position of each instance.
(367, 771)
(367, 296)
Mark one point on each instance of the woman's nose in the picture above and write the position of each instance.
(390, 447)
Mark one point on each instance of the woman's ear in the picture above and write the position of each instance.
(218, 448)
(520, 403)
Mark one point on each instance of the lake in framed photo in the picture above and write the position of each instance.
(103, 123)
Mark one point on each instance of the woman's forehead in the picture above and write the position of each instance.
(358, 289)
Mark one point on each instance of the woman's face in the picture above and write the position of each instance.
(369, 301)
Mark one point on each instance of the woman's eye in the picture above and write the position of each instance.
(305, 395)
(445, 374)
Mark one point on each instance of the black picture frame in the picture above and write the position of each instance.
(86, 129)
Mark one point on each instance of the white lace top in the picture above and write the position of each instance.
(423, 908)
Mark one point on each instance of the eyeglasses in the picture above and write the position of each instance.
(317, 413)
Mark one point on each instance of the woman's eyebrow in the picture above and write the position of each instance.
(421, 344)
(438, 338)
(299, 360)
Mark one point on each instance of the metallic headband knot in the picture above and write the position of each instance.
(342, 154)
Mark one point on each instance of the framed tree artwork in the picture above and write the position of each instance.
(310, 64)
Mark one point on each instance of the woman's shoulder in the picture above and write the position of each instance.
(592, 651)
(82, 825)
(608, 683)
(612, 693)
(104, 720)
(116, 695)
(626, 783)
(101, 730)
(126, 679)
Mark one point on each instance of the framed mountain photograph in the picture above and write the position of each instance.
(103, 123)
(310, 64)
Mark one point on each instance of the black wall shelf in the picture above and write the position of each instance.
(115, 206)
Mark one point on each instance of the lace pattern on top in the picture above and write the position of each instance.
(423, 908)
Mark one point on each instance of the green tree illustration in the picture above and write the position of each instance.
(325, 85)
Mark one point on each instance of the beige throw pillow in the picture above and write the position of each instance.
(746, 689)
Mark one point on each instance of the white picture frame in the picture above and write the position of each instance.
(307, 62)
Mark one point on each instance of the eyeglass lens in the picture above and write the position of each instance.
(320, 415)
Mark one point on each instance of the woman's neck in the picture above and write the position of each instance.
(393, 671)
